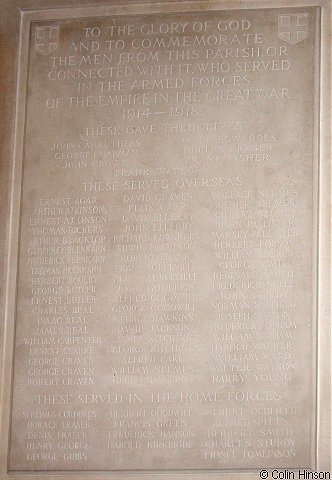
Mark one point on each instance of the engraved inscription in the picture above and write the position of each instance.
(164, 304)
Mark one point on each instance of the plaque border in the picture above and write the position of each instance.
(15, 28)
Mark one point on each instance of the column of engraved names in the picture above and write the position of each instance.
(66, 250)
(253, 327)
(153, 308)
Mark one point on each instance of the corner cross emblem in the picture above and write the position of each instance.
(47, 38)
(293, 27)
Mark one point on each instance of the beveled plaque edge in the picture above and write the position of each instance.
(16, 17)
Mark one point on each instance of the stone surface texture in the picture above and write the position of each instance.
(166, 307)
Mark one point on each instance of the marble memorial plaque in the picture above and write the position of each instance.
(166, 302)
